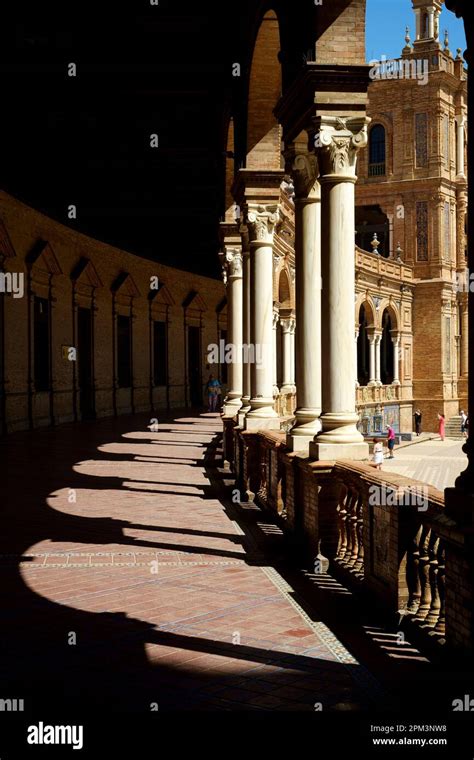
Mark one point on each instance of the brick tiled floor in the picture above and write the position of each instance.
(125, 581)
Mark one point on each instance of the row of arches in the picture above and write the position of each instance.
(386, 346)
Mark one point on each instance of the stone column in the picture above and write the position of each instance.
(308, 299)
(461, 208)
(396, 358)
(292, 359)
(431, 23)
(261, 221)
(378, 341)
(338, 141)
(371, 360)
(460, 169)
(288, 329)
(356, 337)
(418, 23)
(246, 326)
(276, 319)
(232, 260)
(464, 339)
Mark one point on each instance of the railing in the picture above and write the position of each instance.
(379, 531)
(372, 394)
(426, 574)
(350, 525)
(377, 170)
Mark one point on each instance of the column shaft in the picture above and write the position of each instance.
(288, 330)
(246, 365)
(308, 303)
(396, 360)
(339, 138)
(378, 341)
(261, 221)
(233, 400)
(372, 360)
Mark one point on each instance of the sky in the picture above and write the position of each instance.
(386, 22)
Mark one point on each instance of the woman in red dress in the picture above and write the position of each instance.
(441, 426)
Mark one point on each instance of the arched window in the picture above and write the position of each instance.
(363, 349)
(386, 350)
(377, 151)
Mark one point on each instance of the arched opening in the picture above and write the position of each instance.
(230, 173)
(370, 221)
(424, 25)
(377, 151)
(283, 306)
(284, 293)
(363, 349)
(386, 350)
(265, 89)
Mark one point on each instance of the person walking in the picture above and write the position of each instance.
(464, 423)
(213, 388)
(390, 440)
(418, 417)
(441, 422)
(378, 454)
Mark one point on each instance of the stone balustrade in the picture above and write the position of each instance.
(378, 531)
(367, 394)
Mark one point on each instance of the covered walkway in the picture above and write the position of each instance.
(130, 579)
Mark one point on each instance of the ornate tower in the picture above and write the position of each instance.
(427, 17)
(414, 172)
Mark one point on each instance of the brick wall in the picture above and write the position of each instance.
(64, 249)
(341, 32)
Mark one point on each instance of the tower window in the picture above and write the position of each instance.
(377, 151)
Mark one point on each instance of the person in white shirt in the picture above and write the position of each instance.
(378, 454)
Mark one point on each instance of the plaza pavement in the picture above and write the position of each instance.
(435, 462)
(130, 581)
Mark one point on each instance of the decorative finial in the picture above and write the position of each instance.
(407, 36)
(399, 252)
(459, 54)
(375, 243)
(446, 41)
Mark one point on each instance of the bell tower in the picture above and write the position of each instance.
(427, 13)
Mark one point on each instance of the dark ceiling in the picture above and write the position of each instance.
(141, 70)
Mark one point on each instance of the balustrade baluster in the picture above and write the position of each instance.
(353, 530)
(348, 525)
(342, 517)
(424, 574)
(440, 626)
(433, 614)
(413, 573)
(359, 565)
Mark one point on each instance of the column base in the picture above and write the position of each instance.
(232, 404)
(262, 423)
(242, 413)
(333, 451)
(299, 443)
(307, 425)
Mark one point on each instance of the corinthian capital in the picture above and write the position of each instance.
(261, 221)
(304, 170)
(288, 325)
(337, 141)
(231, 261)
